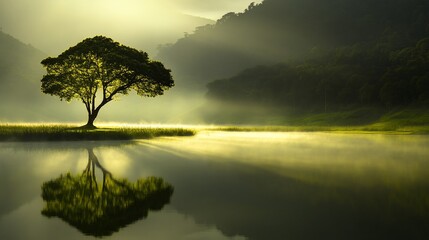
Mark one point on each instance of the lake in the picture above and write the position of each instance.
(227, 185)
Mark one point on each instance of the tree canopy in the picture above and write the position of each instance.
(99, 66)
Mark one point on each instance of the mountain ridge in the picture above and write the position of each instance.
(289, 30)
(287, 57)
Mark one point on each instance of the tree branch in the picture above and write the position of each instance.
(86, 105)
(120, 88)
(94, 95)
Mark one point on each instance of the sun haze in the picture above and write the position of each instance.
(52, 25)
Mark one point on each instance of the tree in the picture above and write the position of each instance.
(99, 66)
(101, 209)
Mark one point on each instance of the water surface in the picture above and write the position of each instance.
(230, 185)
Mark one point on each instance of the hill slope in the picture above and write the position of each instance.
(19, 70)
(361, 57)
(18, 65)
(20, 95)
(284, 30)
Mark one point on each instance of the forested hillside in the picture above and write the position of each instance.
(284, 30)
(349, 78)
(309, 56)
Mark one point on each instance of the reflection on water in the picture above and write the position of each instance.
(307, 185)
(100, 211)
(229, 186)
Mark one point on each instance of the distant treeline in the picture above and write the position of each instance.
(349, 77)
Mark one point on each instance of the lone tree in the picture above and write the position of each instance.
(101, 67)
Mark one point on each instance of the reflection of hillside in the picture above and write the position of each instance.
(100, 209)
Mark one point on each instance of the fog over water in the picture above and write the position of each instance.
(230, 185)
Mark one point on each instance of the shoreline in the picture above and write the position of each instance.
(61, 133)
(51, 133)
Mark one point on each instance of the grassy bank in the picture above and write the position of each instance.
(9, 132)
(405, 121)
(381, 129)
(365, 120)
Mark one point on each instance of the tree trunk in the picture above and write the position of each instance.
(93, 113)
(95, 163)
(91, 118)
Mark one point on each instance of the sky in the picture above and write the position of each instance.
(54, 25)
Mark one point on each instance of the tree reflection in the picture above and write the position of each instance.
(102, 209)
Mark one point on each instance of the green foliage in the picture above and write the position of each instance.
(406, 117)
(347, 79)
(99, 64)
(102, 209)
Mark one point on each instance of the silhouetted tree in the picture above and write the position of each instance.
(102, 209)
(100, 65)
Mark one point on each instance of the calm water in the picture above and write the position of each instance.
(226, 186)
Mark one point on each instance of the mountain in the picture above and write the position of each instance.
(313, 57)
(286, 58)
(20, 95)
(289, 30)
(19, 68)
(361, 80)
(18, 63)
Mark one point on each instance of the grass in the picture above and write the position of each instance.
(406, 121)
(373, 128)
(10, 132)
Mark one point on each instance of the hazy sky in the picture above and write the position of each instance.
(54, 25)
(213, 9)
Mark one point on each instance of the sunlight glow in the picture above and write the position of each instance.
(114, 160)
(57, 161)
(316, 158)
(153, 125)
(143, 24)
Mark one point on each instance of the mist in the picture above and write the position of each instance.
(231, 60)
(50, 27)
(270, 119)
(294, 58)
(53, 26)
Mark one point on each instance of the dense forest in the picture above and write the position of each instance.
(348, 78)
(284, 30)
(308, 56)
